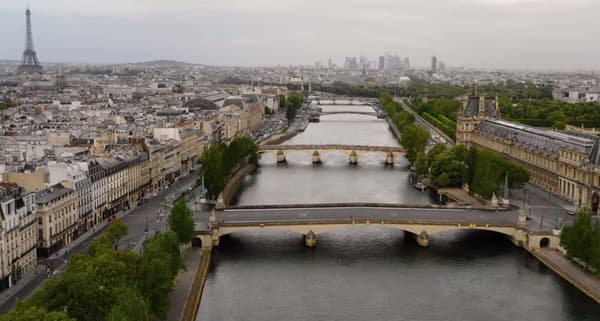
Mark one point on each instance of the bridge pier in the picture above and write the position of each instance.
(422, 239)
(310, 239)
(353, 158)
(281, 157)
(316, 158)
(389, 159)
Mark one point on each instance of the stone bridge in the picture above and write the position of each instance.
(418, 222)
(354, 152)
(368, 113)
(345, 100)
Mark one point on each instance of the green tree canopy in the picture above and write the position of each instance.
(181, 222)
(220, 161)
(34, 313)
(414, 139)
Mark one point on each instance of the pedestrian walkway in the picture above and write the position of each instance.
(461, 196)
(571, 272)
(184, 282)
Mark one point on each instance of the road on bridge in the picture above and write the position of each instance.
(375, 214)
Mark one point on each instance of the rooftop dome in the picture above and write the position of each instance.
(235, 100)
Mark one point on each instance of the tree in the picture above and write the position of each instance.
(131, 306)
(220, 161)
(80, 296)
(290, 114)
(581, 239)
(161, 260)
(214, 170)
(414, 139)
(421, 165)
(181, 222)
(115, 231)
(35, 313)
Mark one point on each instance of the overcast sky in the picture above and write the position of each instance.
(513, 34)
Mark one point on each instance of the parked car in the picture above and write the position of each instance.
(154, 194)
(142, 201)
(572, 210)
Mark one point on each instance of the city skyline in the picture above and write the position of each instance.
(469, 33)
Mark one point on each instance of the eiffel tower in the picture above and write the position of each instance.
(29, 63)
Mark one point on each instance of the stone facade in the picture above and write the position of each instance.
(563, 163)
(57, 216)
(18, 233)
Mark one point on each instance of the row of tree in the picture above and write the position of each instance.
(221, 160)
(442, 113)
(581, 239)
(413, 138)
(112, 284)
(291, 104)
(485, 171)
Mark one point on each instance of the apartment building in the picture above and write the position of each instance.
(18, 233)
(57, 218)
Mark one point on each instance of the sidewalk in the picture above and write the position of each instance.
(586, 282)
(184, 282)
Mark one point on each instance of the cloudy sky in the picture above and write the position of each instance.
(513, 34)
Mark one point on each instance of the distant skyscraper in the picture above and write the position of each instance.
(442, 66)
(406, 62)
(350, 63)
(363, 63)
(30, 62)
(381, 65)
(434, 64)
(329, 64)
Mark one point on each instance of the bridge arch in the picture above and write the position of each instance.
(544, 242)
(421, 232)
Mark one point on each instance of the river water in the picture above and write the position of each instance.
(299, 181)
(372, 273)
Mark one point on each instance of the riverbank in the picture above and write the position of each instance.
(570, 272)
(278, 138)
(191, 286)
(393, 128)
(233, 185)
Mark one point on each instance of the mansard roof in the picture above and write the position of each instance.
(544, 141)
(472, 107)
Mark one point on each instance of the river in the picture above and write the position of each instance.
(372, 273)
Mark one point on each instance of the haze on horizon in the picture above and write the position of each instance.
(494, 34)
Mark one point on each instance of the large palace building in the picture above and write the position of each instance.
(563, 163)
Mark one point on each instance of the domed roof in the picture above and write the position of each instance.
(235, 100)
(200, 104)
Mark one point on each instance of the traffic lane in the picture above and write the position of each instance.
(366, 213)
(149, 213)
